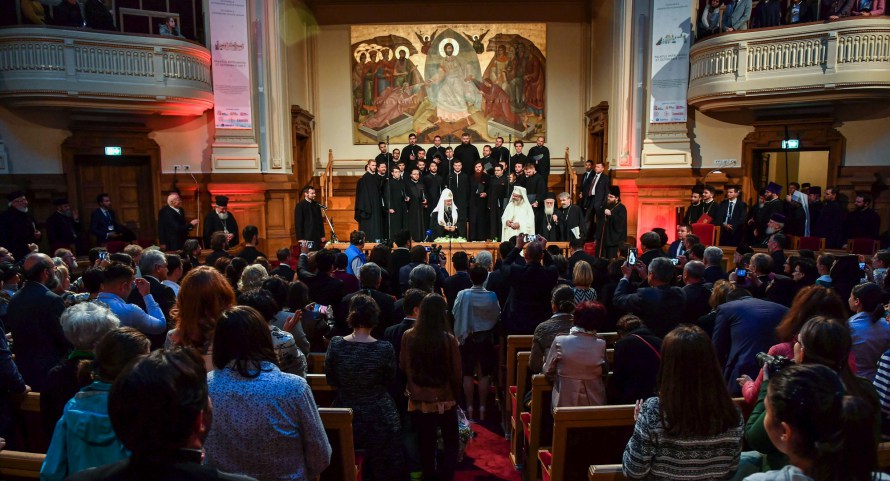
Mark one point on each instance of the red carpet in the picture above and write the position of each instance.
(487, 458)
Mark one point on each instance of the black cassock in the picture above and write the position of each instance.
(478, 207)
(549, 228)
(368, 207)
(173, 228)
(308, 222)
(541, 157)
(569, 218)
(395, 200)
(497, 199)
(433, 184)
(212, 223)
(536, 190)
(415, 220)
(439, 230)
(615, 232)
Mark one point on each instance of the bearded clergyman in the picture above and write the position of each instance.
(221, 220)
(444, 219)
(519, 217)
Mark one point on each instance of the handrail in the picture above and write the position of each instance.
(329, 177)
(570, 174)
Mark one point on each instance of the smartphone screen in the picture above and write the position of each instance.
(631, 256)
(741, 273)
(675, 261)
(862, 266)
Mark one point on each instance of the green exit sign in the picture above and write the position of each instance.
(790, 144)
(113, 151)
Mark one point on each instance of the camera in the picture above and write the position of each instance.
(435, 254)
(773, 364)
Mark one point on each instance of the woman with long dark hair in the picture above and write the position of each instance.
(692, 419)
(254, 400)
(870, 331)
(431, 360)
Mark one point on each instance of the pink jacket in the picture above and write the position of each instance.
(877, 8)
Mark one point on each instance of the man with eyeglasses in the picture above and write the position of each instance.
(119, 280)
(153, 266)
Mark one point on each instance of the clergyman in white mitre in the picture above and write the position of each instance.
(518, 218)
(444, 221)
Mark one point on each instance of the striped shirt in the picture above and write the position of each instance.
(882, 386)
(652, 454)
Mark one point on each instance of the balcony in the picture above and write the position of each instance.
(103, 71)
(814, 63)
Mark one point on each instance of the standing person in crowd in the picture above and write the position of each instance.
(741, 14)
(284, 270)
(253, 399)
(582, 278)
(478, 204)
(288, 357)
(570, 219)
(251, 237)
(497, 196)
(204, 295)
(577, 361)
(84, 437)
(518, 217)
(360, 368)
(308, 220)
(614, 231)
(531, 278)
(430, 357)
(863, 221)
(562, 302)
(370, 277)
(324, 288)
(540, 155)
(154, 269)
(693, 417)
(172, 226)
(63, 227)
(476, 312)
(170, 28)
(118, 282)
(823, 428)
(459, 281)
(660, 305)
(19, 229)
(103, 222)
(221, 220)
(635, 364)
(870, 331)
(731, 216)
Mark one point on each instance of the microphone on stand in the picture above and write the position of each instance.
(429, 232)
(323, 206)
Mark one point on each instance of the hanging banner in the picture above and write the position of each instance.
(231, 65)
(670, 61)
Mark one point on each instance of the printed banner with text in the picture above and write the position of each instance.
(231, 65)
(670, 61)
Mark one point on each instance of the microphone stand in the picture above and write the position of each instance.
(388, 196)
(334, 239)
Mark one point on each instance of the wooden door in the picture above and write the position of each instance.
(127, 179)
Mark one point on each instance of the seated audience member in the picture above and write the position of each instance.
(693, 418)
(808, 303)
(660, 305)
(476, 312)
(174, 273)
(117, 283)
(360, 368)
(91, 281)
(369, 277)
(582, 278)
(713, 260)
(822, 341)
(636, 362)
(204, 295)
(877, 271)
(696, 290)
(870, 331)
(160, 411)
(562, 267)
(288, 356)
(324, 288)
(744, 326)
(823, 265)
(84, 437)
(278, 288)
(218, 245)
(577, 361)
(83, 325)
(254, 400)
(350, 282)
(431, 360)
(422, 277)
(33, 320)
(820, 425)
(283, 270)
(562, 303)
(252, 277)
(251, 236)
(497, 280)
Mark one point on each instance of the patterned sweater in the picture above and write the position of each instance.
(653, 455)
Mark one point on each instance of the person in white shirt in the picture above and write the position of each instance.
(174, 272)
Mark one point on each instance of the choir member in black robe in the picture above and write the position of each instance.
(497, 198)
(308, 220)
(436, 149)
(459, 184)
(540, 155)
(221, 220)
(500, 153)
(548, 226)
(615, 230)
(394, 201)
(368, 207)
(411, 152)
(863, 222)
(478, 204)
(518, 157)
(695, 210)
(536, 189)
(487, 162)
(831, 216)
(708, 206)
(518, 175)
(384, 157)
(570, 219)
(814, 196)
(415, 196)
(173, 227)
(466, 152)
(433, 184)
(63, 227)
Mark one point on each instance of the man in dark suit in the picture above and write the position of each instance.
(531, 279)
(103, 223)
(33, 319)
(219, 219)
(308, 221)
(637, 353)
(584, 186)
(172, 226)
(369, 276)
(578, 254)
(324, 288)
(697, 291)
(410, 306)
(419, 255)
(153, 266)
(460, 280)
(678, 247)
(660, 305)
(283, 270)
(597, 197)
(63, 227)
(744, 327)
(731, 217)
(651, 243)
(713, 260)
(398, 258)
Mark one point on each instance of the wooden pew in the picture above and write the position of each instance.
(884, 456)
(316, 363)
(605, 472)
(323, 392)
(338, 426)
(515, 344)
(16, 465)
(516, 402)
(533, 422)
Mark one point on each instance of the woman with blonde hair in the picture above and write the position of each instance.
(203, 295)
(582, 278)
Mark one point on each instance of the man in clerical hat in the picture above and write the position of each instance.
(615, 230)
(63, 226)
(220, 219)
(771, 205)
(17, 227)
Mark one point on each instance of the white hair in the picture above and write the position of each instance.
(252, 277)
(85, 323)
